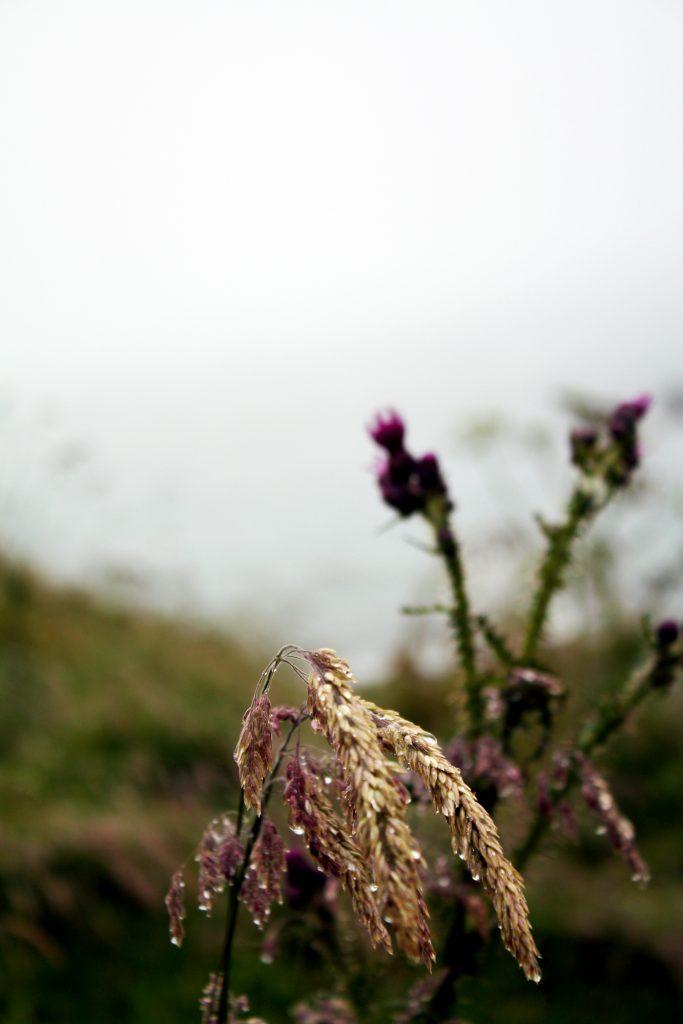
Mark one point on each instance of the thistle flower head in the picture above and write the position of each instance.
(406, 484)
(624, 418)
(388, 431)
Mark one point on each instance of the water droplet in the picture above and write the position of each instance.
(475, 878)
(267, 958)
(373, 887)
(175, 940)
(416, 855)
(296, 829)
(600, 831)
(461, 856)
(327, 780)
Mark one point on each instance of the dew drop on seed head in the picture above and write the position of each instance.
(296, 829)
(373, 887)
(475, 878)
(175, 940)
(267, 958)
(327, 780)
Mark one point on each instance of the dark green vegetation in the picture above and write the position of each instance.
(116, 749)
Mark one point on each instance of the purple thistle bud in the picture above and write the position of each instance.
(429, 474)
(582, 443)
(667, 633)
(388, 431)
(175, 904)
(622, 422)
(397, 484)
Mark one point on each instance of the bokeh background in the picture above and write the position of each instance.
(229, 233)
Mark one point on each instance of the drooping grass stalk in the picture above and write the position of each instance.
(233, 902)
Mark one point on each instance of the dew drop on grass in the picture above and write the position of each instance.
(296, 829)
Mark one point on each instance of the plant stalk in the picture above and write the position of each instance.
(233, 903)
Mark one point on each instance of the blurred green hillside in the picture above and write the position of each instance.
(117, 749)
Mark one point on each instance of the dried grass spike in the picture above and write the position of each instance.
(473, 832)
(375, 805)
(175, 904)
(254, 751)
(328, 840)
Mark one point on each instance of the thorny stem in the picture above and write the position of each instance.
(233, 903)
(495, 640)
(582, 506)
(595, 734)
(460, 614)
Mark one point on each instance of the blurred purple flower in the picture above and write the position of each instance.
(388, 431)
(667, 633)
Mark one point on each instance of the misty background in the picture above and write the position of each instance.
(229, 232)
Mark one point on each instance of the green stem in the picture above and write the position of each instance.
(233, 903)
(460, 614)
(555, 561)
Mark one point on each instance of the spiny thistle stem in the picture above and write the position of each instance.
(233, 903)
(582, 506)
(495, 640)
(461, 619)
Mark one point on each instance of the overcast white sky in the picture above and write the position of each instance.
(229, 231)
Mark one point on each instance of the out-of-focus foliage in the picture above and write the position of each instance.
(116, 750)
